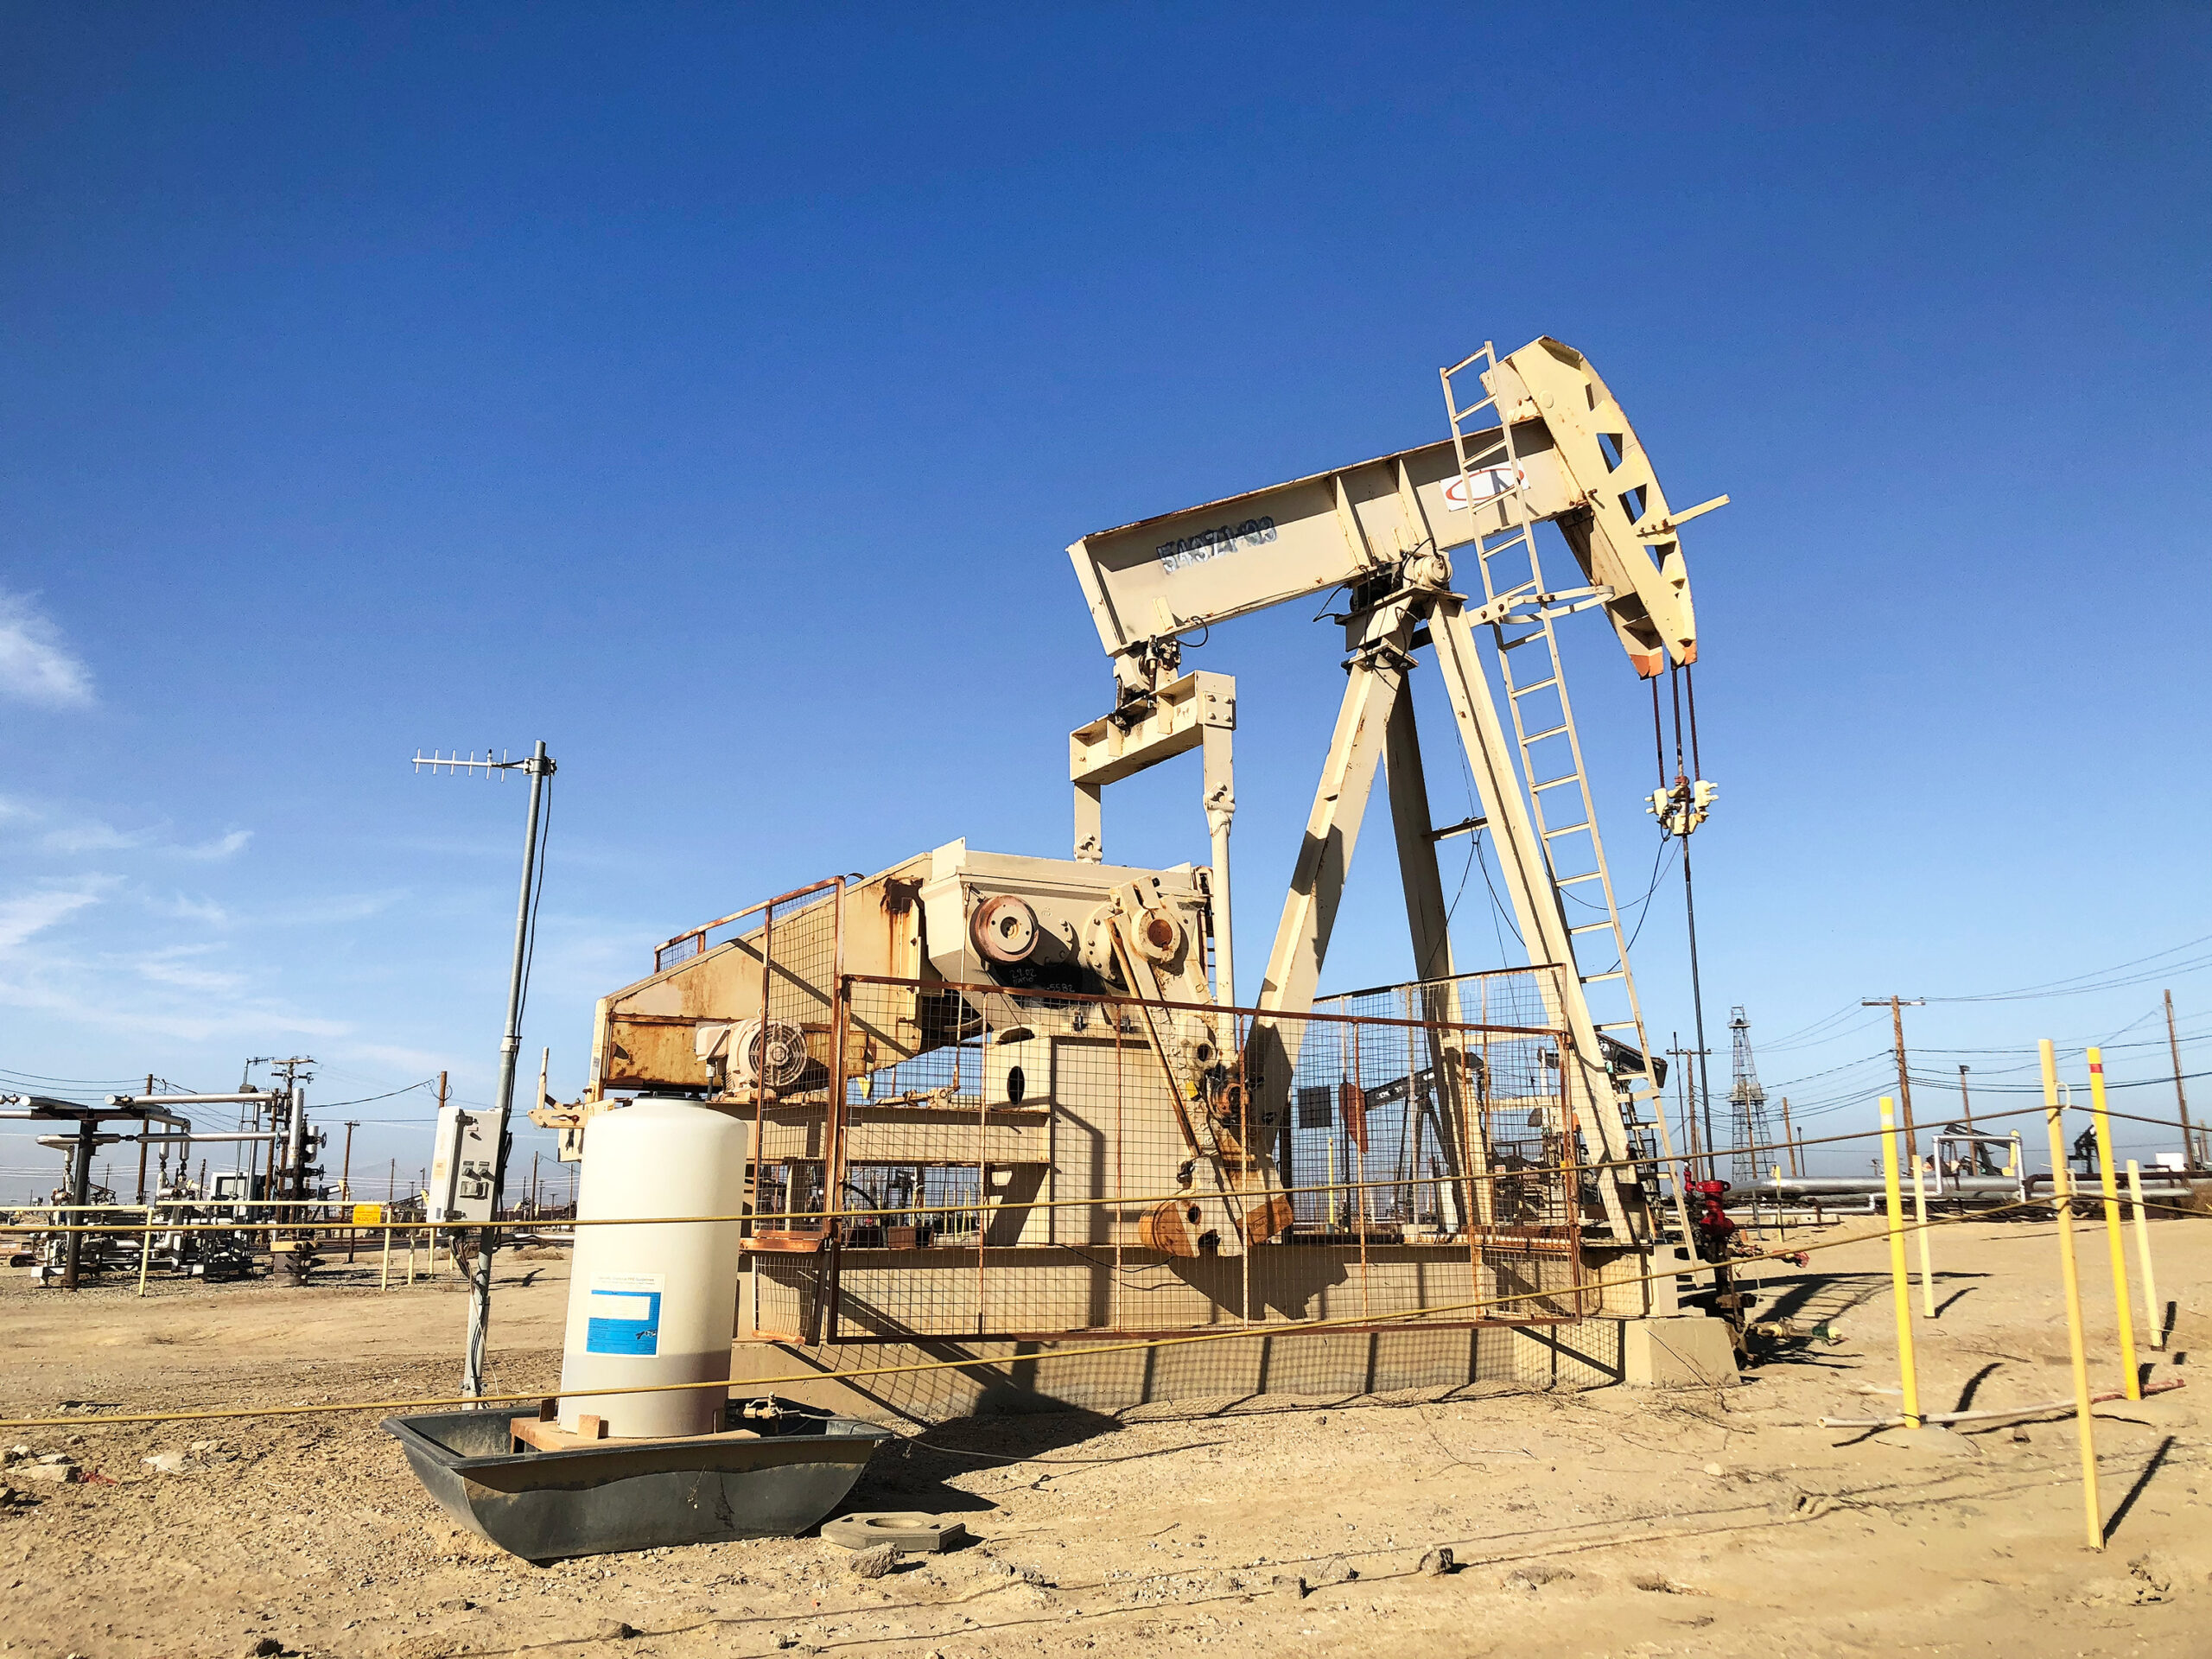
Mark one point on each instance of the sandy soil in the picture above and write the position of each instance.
(1609, 1522)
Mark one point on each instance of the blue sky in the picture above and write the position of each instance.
(711, 393)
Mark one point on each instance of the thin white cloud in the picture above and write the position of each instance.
(36, 665)
(338, 907)
(412, 1062)
(186, 908)
(99, 835)
(99, 1006)
(30, 913)
(174, 966)
(94, 836)
(221, 847)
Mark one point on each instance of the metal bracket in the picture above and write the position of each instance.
(1565, 602)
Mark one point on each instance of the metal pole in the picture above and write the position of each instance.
(479, 1295)
(1697, 1009)
(142, 1146)
(1789, 1140)
(1900, 1279)
(2151, 1308)
(2188, 1158)
(2070, 1276)
(80, 1181)
(346, 1184)
(2107, 1178)
(296, 1142)
(1966, 1106)
(1920, 1221)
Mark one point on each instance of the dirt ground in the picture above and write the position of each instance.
(1614, 1522)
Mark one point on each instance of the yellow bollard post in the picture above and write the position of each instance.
(2108, 1179)
(2155, 1314)
(2062, 1186)
(1920, 1225)
(1900, 1279)
(145, 1247)
(410, 1258)
(383, 1278)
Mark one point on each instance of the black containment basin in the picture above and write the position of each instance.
(624, 1495)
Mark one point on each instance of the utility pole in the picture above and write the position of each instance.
(1966, 1103)
(1897, 1006)
(294, 1105)
(1700, 1104)
(539, 768)
(2181, 1095)
(1789, 1140)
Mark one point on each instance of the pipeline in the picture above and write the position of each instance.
(1987, 1416)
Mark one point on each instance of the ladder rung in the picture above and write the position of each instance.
(1590, 927)
(1541, 736)
(1569, 880)
(1599, 979)
(1615, 1025)
(1520, 691)
(1572, 829)
(1554, 783)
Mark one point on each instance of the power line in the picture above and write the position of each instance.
(2072, 985)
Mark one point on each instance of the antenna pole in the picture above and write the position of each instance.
(479, 1291)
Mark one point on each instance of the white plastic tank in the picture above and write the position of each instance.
(655, 1303)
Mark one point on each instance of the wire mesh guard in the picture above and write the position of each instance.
(974, 1160)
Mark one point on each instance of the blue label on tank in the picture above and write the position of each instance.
(623, 1322)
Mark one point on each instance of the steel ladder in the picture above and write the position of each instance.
(1490, 471)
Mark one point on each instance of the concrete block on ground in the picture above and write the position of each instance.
(1687, 1350)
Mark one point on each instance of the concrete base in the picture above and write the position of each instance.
(1687, 1351)
(989, 1378)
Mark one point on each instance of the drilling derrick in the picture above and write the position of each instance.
(1747, 1119)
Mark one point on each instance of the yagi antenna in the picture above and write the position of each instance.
(457, 762)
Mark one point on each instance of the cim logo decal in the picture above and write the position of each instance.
(1489, 482)
(1212, 543)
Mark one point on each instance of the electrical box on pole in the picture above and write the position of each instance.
(466, 1164)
